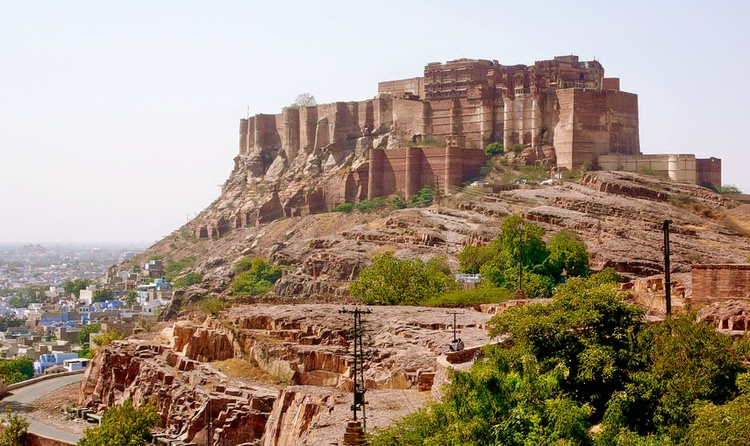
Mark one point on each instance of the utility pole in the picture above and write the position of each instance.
(667, 279)
(359, 355)
(457, 344)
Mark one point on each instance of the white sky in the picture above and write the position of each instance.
(119, 119)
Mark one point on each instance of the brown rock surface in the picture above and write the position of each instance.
(618, 214)
(303, 346)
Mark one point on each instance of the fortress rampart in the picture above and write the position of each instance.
(429, 131)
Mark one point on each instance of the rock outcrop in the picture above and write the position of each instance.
(303, 348)
(193, 398)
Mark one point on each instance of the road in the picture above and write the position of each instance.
(20, 402)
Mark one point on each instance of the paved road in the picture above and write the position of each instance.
(20, 402)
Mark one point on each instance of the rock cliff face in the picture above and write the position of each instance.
(193, 398)
(305, 348)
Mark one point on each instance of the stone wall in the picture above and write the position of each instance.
(594, 123)
(708, 171)
(403, 87)
(411, 168)
(681, 168)
(711, 283)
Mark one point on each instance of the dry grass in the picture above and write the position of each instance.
(380, 250)
(248, 370)
(737, 224)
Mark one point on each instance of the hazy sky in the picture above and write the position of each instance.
(118, 120)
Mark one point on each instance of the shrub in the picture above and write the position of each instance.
(729, 189)
(517, 147)
(213, 306)
(173, 269)
(423, 198)
(14, 429)
(187, 280)
(469, 298)
(256, 277)
(344, 207)
(16, 370)
(392, 281)
(123, 426)
(493, 148)
(371, 205)
(398, 202)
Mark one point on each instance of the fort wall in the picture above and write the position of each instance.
(390, 143)
(409, 169)
(708, 171)
(681, 168)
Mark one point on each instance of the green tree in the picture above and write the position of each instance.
(567, 253)
(548, 382)
(188, 279)
(9, 320)
(392, 281)
(688, 363)
(123, 426)
(131, 298)
(471, 258)
(14, 429)
(729, 189)
(84, 334)
(26, 296)
(588, 329)
(302, 100)
(103, 294)
(256, 276)
(16, 370)
(722, 424)
(74, 286)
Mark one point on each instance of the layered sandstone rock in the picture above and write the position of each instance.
(193, 399)
(306, 348)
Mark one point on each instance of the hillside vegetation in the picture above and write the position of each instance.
(586, 369)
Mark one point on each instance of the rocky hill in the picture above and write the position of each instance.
(618, 214)
(281, 374)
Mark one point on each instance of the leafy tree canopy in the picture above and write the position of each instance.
(303, 100)
(14, 429)
(9, 320)
(103, 294)
(587, 359)
(123, 426)
(393, 281)
(74, 286)
(83, 335)
(256, 276)
(16, 370)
